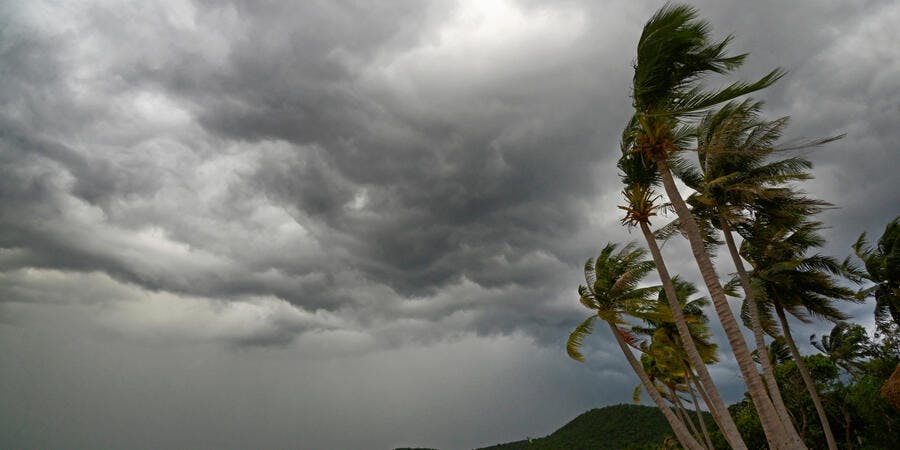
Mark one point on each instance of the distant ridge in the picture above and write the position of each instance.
(617, 427)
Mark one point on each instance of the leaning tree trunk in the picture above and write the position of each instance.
(774, 428)
(700, 418)
(716, 406)
(804, 372)
(681, 432)
(697, 434)
(692, 378)
(758, 335)
(682, 411)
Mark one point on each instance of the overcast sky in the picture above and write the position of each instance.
(350, 225)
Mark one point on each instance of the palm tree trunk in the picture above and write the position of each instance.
(700, 390)
(692, 384)
(774, 428)
(684, 436)
(699, 412)
(758, 335)
(716, 406)
(683, 413)
(804, 373)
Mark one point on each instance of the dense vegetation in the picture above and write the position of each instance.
(744, 195)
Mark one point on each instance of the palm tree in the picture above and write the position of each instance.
(639, 178)
(786, 279)
(734, 150)
(846, 345)
(673, 53)
(882, 267)
(612, 287)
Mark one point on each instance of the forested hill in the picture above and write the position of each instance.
(617, 427)
(613, 427)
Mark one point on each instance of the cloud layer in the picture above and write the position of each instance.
(342, 179)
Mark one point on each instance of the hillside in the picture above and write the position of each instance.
(613, 427)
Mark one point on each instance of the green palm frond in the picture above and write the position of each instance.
(667, 231)
(808, 143)
(764, 313)
(576, 338)
(587, 298)
(589, 276)
(673, 52)
(695, 101)
(685, 171)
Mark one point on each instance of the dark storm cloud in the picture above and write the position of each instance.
(442, 184)
(408, 163)
(394, 200)
(405, 163)
(406, 160)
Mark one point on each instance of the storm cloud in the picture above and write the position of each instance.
(322, 187)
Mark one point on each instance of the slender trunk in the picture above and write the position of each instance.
(716, 407)
(683, 412)
(804, 373)
(703, 395)
(775, 430)
(699, 413)
(758, 335)
(681, 433)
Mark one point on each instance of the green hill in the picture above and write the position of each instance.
(613, 427)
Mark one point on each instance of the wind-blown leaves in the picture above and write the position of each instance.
(576, 338)
(882, 267)
(612, 290)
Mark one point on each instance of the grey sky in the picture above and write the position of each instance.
(355, 225)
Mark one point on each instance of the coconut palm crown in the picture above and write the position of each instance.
(611, 290)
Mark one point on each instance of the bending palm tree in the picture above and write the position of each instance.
(735, 173)
(791, 281)
(612, 282)
(673, 53)
(846, 345)
(639, 179)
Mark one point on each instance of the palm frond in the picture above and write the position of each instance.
(576, 338)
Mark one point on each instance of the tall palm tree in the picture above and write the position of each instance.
(674, 52)
(788, 279)
(639, 178)
(612, 287)
(735, 171)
